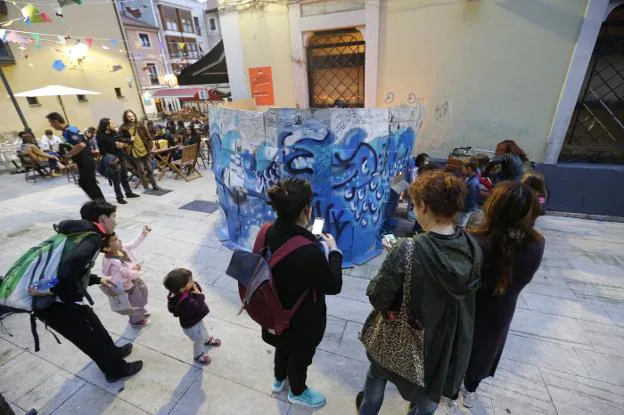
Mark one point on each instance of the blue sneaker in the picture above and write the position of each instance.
(309, 398)
(278, 386)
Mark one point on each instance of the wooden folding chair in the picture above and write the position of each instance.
(187, 165)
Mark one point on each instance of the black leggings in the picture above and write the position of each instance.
(294, 365)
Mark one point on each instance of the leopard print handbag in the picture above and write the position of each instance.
(395, 344)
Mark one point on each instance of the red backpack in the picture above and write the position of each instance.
(256, 286)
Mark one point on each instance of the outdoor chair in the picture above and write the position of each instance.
(186, 166)
(32, 169)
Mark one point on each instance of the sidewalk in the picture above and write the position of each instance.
(565, 354)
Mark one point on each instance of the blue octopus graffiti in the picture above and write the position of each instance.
(349, 156)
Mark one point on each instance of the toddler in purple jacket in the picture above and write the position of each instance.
(186, 301)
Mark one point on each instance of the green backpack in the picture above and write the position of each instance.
(37, 267)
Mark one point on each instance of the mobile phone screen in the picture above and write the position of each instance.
(317, 227)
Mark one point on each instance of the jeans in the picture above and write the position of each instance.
(81, 326)
(294, 365)
(199, 335)
(120, 178)
(145, 172)
(374, 390)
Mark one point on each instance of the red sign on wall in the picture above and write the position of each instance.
(261, 80)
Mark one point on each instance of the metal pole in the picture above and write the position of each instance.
(15, 104)
(130, 58)
(63, 108)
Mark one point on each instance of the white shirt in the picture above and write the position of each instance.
(48, 144)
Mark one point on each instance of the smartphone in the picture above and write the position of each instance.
(390, 239)
(317, 227)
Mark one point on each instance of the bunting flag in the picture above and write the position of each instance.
(68, 2)
(58, 65)
(116, 68)
(114, 42)
(3, 35)
(35, 37)
(33, 15)
(59, 12)
(61, 39)
(89, 42)
(105, 47)
(17, 38)
(181, 45)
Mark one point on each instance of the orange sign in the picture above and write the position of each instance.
(261, 80)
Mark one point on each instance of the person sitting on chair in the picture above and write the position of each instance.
(30, 149)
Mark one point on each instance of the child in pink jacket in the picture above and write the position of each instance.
(121, 265)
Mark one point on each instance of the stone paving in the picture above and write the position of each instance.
(564, 355)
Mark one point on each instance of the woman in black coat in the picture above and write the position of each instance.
(307, 268)
(512, 253)
(110, 143)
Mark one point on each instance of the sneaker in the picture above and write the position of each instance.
(131, 369)
(468, 398)
(309, 398)
(448, 405)
(147, 191)
(132, 195)
(125, 350)
(142, 323)
(278, 385)
(157, 189)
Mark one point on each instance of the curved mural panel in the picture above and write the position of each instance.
(349, 156)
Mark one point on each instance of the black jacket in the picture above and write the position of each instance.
(106, 144)
(189, 307)
(445, 277)
(306, 268)
(75, 269)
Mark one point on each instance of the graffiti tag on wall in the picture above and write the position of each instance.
(349, 156)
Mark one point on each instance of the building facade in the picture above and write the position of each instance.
(70, 51)
(187, 29)
(545, 73)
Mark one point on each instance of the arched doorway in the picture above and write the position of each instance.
(596, 130)
(335, 61)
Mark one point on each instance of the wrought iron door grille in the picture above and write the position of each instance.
(336, 69)
(596, 133)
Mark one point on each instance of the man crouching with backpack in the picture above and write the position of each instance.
(68, 313)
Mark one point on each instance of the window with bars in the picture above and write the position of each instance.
(336, 69)
(596, 132)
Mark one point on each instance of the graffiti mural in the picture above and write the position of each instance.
(349, 156)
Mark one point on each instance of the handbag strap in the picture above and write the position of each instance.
(406, 302)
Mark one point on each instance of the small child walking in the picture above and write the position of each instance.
(121, 265)
(186, 301)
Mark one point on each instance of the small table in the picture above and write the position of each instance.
(163, 158)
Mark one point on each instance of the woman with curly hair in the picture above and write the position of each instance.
(512, 253)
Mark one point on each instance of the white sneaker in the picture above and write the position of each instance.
(448, 405)
(468, 398)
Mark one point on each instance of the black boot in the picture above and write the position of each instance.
(121, 200)
(131, 195)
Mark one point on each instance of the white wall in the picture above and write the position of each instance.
(487, 69)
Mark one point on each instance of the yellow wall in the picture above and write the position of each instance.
(499, 64)
(80, 21)
(265, 37)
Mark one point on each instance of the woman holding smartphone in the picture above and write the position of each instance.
(306, 271)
